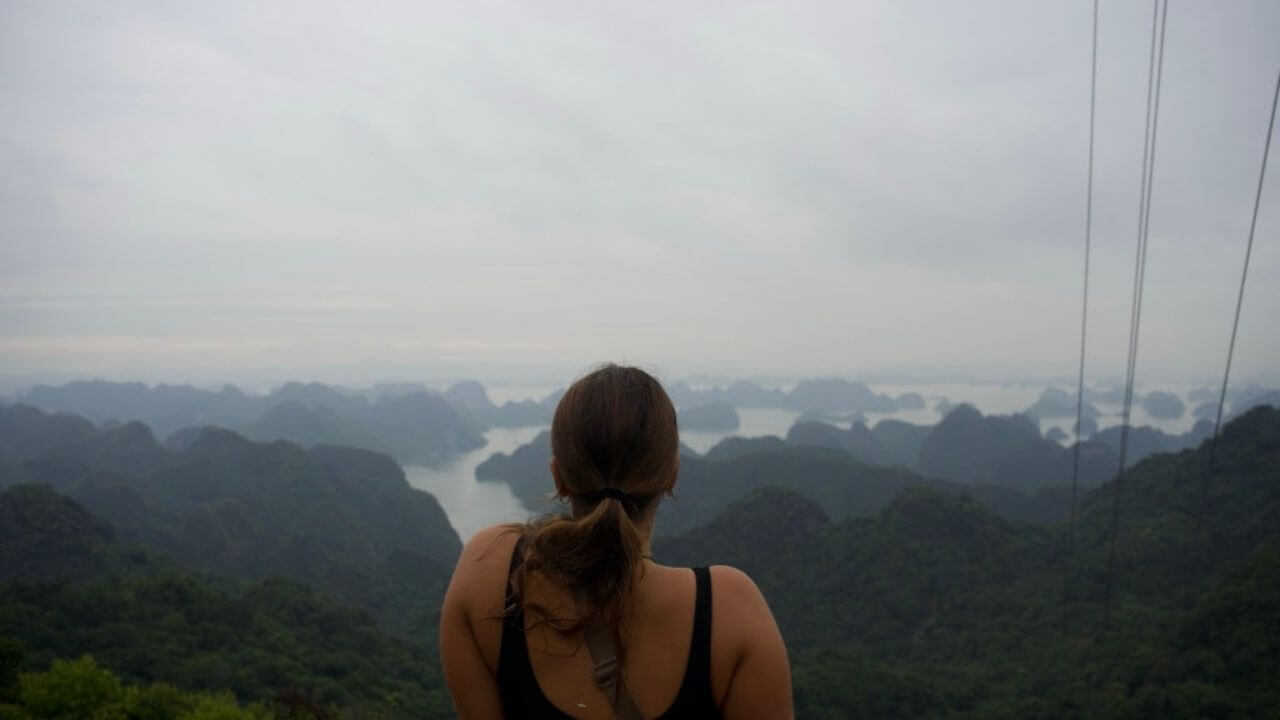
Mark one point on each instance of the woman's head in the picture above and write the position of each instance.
(615, 428)
(615, 452)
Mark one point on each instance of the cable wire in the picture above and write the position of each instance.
(1084, 322)
(1155, 72)
(1235, 324)
(1084, 310)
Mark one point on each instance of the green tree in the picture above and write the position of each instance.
(222, 707)
(12, 653)
(73, 690)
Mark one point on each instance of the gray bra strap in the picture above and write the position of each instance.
(608, 674)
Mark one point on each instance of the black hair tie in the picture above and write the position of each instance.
(611, 493)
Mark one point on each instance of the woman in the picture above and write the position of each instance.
(529, 605)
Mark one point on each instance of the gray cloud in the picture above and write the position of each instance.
(409, 188)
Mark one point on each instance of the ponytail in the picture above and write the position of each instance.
(615, 445)
(598, 555)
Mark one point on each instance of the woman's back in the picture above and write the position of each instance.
(587, 572)
(747, 673)
(674, 614)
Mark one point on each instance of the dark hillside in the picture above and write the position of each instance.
(968, 447)
(311, 425)
(902, 440)
(940, 607)
(884, 581)
(340, 518)
(842, 485)
(892, 442)
(1145, 440)
(757, 534)
(527, 470)
(734, 446)
(274, 637)
(45, 537)
(1165, 542)
(69, 587)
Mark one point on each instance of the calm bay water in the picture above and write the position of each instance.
(754, 422)
(472, 505)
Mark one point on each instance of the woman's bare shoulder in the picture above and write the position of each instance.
(486, 553)
(733, 585)
(732, 575)
(470, 646)
(490, 541)
(483, 563)
(741, 616)
(750, 676)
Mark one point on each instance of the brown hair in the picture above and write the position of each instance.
(614, 428)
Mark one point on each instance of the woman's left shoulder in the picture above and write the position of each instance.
(486, 551)
(486, 540)
(470, 621)
(733, 584)
(476, 593)
(738, 606)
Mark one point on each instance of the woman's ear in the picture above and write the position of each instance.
(555, 476)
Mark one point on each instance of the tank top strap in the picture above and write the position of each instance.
(696, 688)
(517, 554)
(701, 647)
(514, 616)
(518, 688)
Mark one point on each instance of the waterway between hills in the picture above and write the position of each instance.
(472, 505)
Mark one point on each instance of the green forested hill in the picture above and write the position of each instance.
(929, 604)
(70, 588)
(45, 536)
(1008, 451)
(342, 519)
(937, 607)
(274, 637)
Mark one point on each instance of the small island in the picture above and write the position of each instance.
(716, 416)
(1163, 405)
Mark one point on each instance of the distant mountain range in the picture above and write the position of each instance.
(1002, 461)
(417, 425)
(825, 394)
(410, 423)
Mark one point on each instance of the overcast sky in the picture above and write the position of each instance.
(361, 191)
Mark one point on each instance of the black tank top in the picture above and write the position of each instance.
(523, 698)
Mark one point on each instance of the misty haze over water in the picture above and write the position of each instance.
(469, 503)
(472, 504)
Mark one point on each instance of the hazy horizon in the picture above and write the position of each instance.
(537, 384)
(206, 193)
